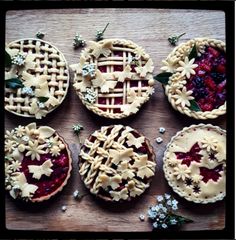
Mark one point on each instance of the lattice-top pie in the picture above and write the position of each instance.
(36, 78)
(195, 163)
(114, 77)
(37, 162)
(117, 163)
(197, 78)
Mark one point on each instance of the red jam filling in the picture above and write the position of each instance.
(213, 174)
(46, 185)
(209, 82)
(118, 68)
(191, 156)
(102, 69)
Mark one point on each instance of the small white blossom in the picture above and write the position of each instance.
(28, 91)
(159, 140)
(41, 105)
(19, 59)
(88, 70)
(175, 202)
(162, 216)
(174, 207)
(90, 96)
(162, 130)
(167, 196)
(169, 202)
(159, 199)
(164, 209)
(187, 67)
(63, 208)
(155, 225)
(141, 217)
(183, 97)
(164, 225)
(25, 138)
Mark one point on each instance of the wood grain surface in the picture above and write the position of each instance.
(149, 28)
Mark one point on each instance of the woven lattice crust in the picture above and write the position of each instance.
(38, 163)
(45, 71)
(177, 81)
(122, 79)
(117, 163)
(195, 186)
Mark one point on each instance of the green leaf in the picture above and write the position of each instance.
(7, 59)
(193, 53)
(194, 106)
(14, 83)
(43, 99)
(163, 77)
(181, 219)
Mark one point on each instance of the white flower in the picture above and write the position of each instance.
(9, 146)
(15, 165)
(183, 97)
(169, 66)
(172, 162)
(28, 91)
(20, 131)
(55, 151)
(196, 178)
(187, 67)
(164, 225)
(164, 209)
(162, 216)
(25, 138)
(169, 202)
(10, 134)
(19, 59)
(155, 225)
(34, 150)
(159, 140)
(159, 199)
(174, 207)
(181, 172)
(175, 202)
(90, 96)
(209, 143)
(141, 217)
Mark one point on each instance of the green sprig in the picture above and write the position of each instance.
(174, 39)
(99, 34)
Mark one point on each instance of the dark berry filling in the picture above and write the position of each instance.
(46, 185)
(213, 174)
(192, 155)
(209, 82)
(102, 69)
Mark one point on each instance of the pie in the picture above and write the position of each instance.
(195, 163)
(36, 79)
(113, 77)
(116, 163)
(37, 162)
(197, 78)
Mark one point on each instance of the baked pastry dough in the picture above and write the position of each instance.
(197, 85)
(43, 71)
(116, 163)
(113, 77)
(37, 162)
(195, 163)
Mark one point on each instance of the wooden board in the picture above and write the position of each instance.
(149, 28)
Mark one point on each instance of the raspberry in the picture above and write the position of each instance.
(207, 107)
(210, 83)
(213, 51)
(220, 68)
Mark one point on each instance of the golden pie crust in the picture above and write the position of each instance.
(117, 163)
(45, 70)
(195, 163)
(177, 82)
(113, 77)
(38, 162)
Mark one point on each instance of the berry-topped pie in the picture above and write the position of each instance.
(113, 77)
(195, 163)
(37, 162)
(36, 77)
(116, 163)
(195, 74)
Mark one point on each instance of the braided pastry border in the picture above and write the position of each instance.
(165, 166)
(179, 53)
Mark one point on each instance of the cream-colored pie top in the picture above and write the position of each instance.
(195, 163)
(43, 71)
(116, 163)
(113, 77)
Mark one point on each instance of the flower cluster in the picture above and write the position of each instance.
(28, 91)
(88, 70)
(78, 41)
(90, 96)
(19, 59)
(40, 35)
(162, 215)
(77, 128)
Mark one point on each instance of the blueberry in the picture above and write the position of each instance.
(218, 77)
(200, 93)
(198, 82)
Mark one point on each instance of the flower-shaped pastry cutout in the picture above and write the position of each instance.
(181, 172)
(187, 67)
(183, 97)
(196, 178)
(34, 150)
(169, 65)
(210, 143)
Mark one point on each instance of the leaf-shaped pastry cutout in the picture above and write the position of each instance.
(148, 67)
(45, 132)
(107, 86)
(131, 95)
(43, 90)
(100, 49)
(99, 79)
(125, 74)
(83, 85)
(31, 126)
(27, 190)
(120, 155)
(137, 142)
(44, 169)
